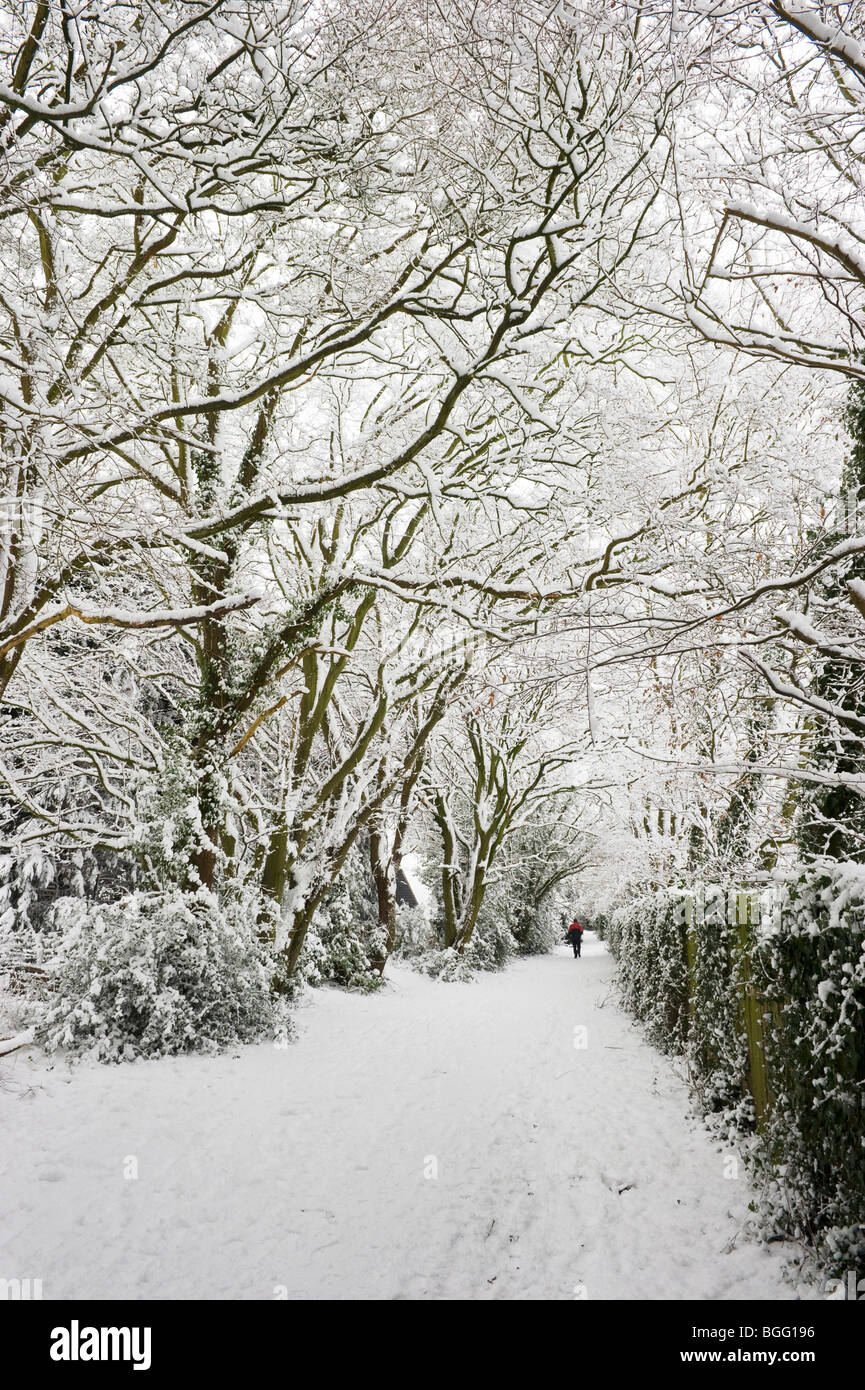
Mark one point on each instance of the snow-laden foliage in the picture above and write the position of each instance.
(414, 932)
(155, 974)
(811, 970)
(646, 935)
(684, 970)
(345, 937)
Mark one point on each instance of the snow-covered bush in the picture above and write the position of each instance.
(445, 964)
(345, 937)
(492, 944)
(538, 927)
(717, 1048)
(154, 974)
(646, 935)
(414, 932)
(678, 972)
(683, 973)
(509, 924)
(32, 878)
(517, 919)
(811, 965)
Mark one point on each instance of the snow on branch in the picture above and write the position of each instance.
(807, 633)
(129, 618)
(832, 40)
(845, 253)
(8, 1045)
(788, 690)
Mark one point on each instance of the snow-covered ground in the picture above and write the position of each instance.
(430, 1141)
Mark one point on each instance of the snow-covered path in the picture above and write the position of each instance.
(431, 1141)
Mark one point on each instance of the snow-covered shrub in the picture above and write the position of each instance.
(517, 918)
(684, 974)
(32, 879)
(344, 937)
(538, 927)
(154, 974)
(446, 964)
(811, 963)
(26, 877)
(414, 932)
(678, 973)
(646, 935)
(715, 1040)
(492, 944)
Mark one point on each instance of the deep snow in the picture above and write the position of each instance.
(562, 1171)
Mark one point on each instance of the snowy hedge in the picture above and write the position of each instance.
(812, 972)
(155, 974)
(688, 975)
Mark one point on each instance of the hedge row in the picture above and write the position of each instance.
(763, 994)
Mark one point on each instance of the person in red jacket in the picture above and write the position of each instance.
(575, 936)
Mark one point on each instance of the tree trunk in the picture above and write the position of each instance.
(381, 865)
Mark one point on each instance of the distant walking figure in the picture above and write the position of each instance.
(575, 936)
